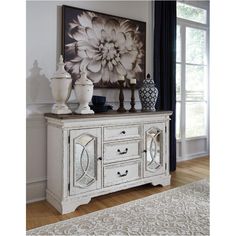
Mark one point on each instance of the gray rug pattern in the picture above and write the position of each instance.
(180, 211)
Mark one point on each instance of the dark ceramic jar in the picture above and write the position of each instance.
(148, 94)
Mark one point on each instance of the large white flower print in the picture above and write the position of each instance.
(106, 47)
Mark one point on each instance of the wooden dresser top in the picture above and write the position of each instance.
(105, 115)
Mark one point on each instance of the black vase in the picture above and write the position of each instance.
(148, 94)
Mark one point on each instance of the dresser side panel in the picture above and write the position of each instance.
(54, 160)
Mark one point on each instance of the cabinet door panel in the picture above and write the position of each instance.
(154, 143)
(85, 168)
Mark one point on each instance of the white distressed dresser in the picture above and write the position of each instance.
(92, 155)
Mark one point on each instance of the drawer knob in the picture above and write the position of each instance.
(122, 175)
(145, 151)
(123, 132)
(99, 158)
(124, 152)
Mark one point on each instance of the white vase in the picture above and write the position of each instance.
(61, 84)
(83, 92)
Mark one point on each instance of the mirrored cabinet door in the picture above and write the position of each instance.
(85, 160)
(154, 149)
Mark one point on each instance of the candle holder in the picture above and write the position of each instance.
(132, 103)
(121, 97)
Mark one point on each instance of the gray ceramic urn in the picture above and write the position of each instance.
(148, 94)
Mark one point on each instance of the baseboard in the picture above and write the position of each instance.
(193, 156)
(53, 200)
(36, 190)
(36, 200)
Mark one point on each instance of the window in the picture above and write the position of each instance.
(191, 13)
(191, 72)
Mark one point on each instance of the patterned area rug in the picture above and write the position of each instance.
(180, 211)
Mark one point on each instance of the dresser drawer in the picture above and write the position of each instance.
(122, 173)
(122, 132)
(121, 151)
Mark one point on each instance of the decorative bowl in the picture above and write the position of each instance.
(98, 100)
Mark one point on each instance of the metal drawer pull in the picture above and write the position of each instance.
(123, 132)
(122, 175)
(122, 153)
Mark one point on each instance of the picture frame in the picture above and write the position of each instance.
(107, 47)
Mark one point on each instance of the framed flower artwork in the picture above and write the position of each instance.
(106, 46)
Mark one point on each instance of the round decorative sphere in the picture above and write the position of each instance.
(148, 94)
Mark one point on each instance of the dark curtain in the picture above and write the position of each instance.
(164, 64)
